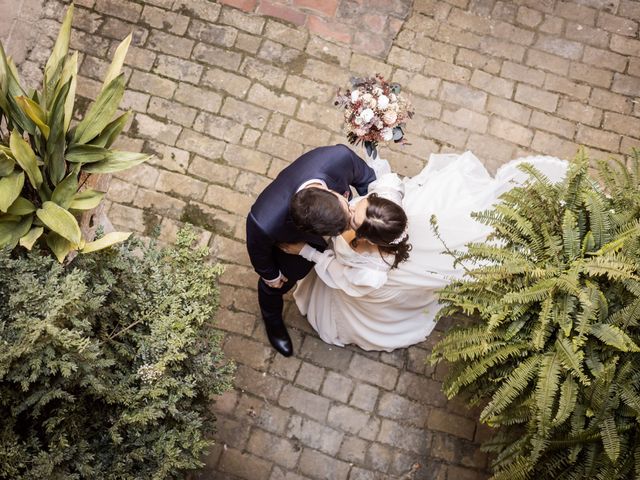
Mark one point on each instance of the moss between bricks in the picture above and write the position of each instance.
(194, 215)
(151, 222)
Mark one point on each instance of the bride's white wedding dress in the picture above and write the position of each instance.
(355, 298)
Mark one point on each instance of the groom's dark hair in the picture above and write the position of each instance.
(316, 210)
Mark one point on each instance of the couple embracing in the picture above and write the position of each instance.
(368, 268)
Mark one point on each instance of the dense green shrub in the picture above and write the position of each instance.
(554, 356)
(107, 365)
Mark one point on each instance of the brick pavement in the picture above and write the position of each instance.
(226, 97)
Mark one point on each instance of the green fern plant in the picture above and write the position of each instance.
(554, 357)
(44, 161)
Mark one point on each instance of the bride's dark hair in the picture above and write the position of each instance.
(385, 222)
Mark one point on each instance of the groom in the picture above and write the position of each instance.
(306, 201)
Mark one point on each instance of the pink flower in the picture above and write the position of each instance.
(390, 117)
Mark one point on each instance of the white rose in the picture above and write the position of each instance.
(387, 134)
(373, 103)
(367, 115)
(355, 95)
(383, 101)
(358, 120)
(366, 97)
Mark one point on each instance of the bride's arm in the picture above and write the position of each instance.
(387, 184)
(355, 282)
(390, 187)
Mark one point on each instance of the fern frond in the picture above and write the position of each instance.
(627, 232)
(546, 389)
(592, 360)
(601, 390)
(472, 372)
(610, 437)
(570, 235)
(519, 469)
(541, 331)
(587, 314)
(633, 286)
(567, 402)
(564, 310)
(495, 253)
(607, 174)
(614, 267)
(574, 181)
(569, 282)
(459, 338)
(599, 221)
(535, 293)
(512, 386)
(614, 337)
(631, 398)
(514, 328)
(522, 224)
(571, 359)
(503, 229)
(588, 243)
(636, 457)
(471, 352)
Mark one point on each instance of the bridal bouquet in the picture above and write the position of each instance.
(374, 111)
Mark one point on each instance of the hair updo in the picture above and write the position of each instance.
(384, 224)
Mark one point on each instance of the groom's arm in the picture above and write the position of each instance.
(260, 247)
(363, 174)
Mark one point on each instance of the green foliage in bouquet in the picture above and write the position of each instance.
(40, 190)
(554, 358)
(108, 364)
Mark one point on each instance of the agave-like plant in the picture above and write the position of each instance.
(43, 158)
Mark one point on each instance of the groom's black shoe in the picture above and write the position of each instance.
(279, 337)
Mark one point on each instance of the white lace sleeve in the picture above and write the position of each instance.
(352, 280)
(389, 186)
(379, 165)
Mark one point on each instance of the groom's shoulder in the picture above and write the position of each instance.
(338, 149)
(323, 156)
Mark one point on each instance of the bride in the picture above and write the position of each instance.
(376, 285)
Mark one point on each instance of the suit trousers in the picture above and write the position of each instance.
(295, 268)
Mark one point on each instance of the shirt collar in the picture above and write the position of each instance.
(309, 182)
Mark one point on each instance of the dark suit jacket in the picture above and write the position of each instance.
(269, 221)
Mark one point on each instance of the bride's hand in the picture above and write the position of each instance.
(291, 248)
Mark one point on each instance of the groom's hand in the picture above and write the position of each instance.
(291, 248)
(276, 282)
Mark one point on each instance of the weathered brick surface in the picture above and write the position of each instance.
(314, 434)
(226, 94)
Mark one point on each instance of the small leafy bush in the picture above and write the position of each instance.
(554, 356)
(108, 365)
(45, 161)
